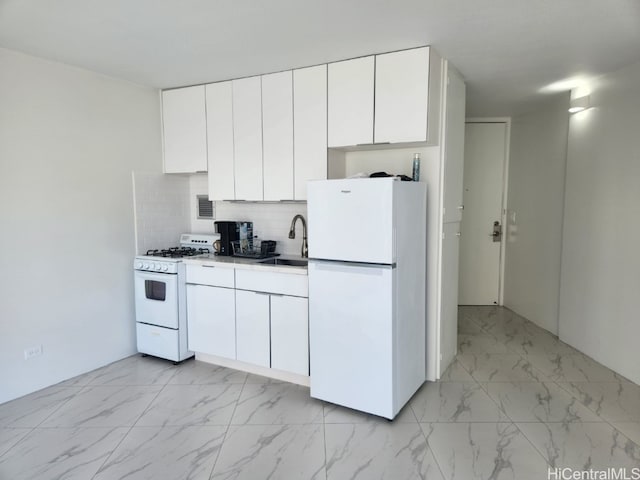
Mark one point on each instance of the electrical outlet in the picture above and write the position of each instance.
(32, 352)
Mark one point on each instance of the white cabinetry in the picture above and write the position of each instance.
(211, 320)
(452, 163)
(290, 334)
(350, 89)
(247, 138)
(184, 130)
(252, 328)
(449, 293)
(272, 322)
(388, 98)
(454, 148)
(401, 97)
(253, 316)
(277, 135)
(211, 310)
(220, 140)
(310, 127)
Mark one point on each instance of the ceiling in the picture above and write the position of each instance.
(509, 51)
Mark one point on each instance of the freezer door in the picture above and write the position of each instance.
(351, 335)
(351, 220)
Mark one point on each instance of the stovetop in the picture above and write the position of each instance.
(177, 252)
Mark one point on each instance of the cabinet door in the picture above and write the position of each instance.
(454, 147)
(220, 140)
(449, 300)
(247, 138)
(310, 127)
(402, 91)
(252, 327)
(211, 320)
(290, 334)
(277, 135)
(351, 102)
(184, 130)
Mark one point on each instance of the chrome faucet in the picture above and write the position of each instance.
(292, 234)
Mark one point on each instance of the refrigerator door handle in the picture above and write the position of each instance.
(323, 262)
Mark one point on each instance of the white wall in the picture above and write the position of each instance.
(600, 281)
(69, 140)
(535, 207)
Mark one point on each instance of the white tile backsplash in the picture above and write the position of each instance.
(162, 209)
(271, 221)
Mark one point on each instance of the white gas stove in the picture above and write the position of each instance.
(160, 297)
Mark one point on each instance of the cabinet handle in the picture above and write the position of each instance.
(201, 171)
(208, 266)
(261, 293)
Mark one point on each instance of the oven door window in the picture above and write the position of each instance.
(155, 290)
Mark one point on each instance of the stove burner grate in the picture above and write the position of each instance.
(177, 252)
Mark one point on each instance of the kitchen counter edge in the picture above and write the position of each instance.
(246, 264)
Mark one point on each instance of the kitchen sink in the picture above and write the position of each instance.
(285, 261)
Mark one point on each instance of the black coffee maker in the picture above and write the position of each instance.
(231, 232)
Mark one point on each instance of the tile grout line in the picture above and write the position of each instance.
(431, 450)
(509, 417)
(324, 442)
(604, 420)
(224, 437)
(557, 384)
(131, 427)
(31, 429)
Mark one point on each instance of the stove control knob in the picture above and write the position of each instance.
(165, 268)
(158, 266)
(139, 265)
(145, 266)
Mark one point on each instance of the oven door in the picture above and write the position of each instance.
(156, 296)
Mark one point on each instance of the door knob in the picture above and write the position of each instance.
(496, 234)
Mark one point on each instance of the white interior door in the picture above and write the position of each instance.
(484, 165)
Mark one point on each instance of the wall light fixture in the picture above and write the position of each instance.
(579, 104)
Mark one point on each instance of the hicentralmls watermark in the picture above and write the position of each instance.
(593, 474)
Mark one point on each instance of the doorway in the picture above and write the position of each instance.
(482, 238)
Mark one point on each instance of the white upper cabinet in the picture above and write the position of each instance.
(351, 85)
(453, 160)
(388, 98)
(184, 130)
(310, 127)
(247, 132)
(277, 135)
(220, 140)
(401, 97)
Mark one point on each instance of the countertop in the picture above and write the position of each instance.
(246, 263)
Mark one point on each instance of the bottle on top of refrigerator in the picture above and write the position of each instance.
(416, 167)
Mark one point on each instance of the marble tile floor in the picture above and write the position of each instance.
(514, 403)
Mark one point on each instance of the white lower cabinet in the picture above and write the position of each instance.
(252, 328)
(290, 334)
(273, 331)
(211, 315)
(255, 317)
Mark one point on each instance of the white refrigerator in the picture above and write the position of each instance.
(367, 292)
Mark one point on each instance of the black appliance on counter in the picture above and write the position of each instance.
(231, 232)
